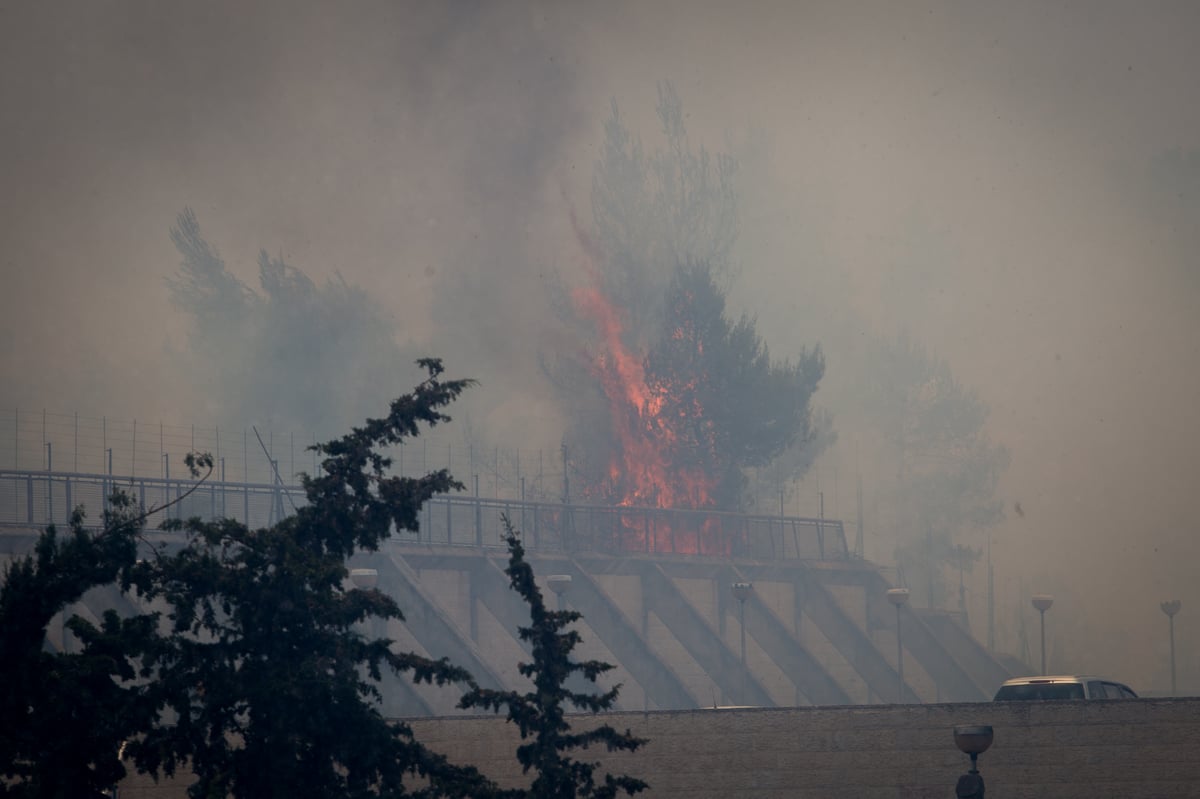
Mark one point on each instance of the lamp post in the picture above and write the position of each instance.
(741, 592)
(1171, 608)
(973, 741)
(364, 579)
(898, 597)
(559, 583)
(1043, 602)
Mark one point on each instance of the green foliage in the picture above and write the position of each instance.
(63, 717)
(271, 689)
(540, 714)
(257, 678)
(313, 353)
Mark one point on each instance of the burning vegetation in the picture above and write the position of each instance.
(670, 401)
(678, 412)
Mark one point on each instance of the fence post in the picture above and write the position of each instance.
(478, 516)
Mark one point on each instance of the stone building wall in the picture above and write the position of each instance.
(1144, 749)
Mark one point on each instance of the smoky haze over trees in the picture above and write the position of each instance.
(937, 486)
(293, 354)
(657, 210)
(1013, 184)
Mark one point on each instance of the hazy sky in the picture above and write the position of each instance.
(1017, 185)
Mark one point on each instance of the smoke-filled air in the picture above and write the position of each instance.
(928, 268)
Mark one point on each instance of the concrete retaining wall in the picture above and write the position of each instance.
(1052, 750)
(1044, 750)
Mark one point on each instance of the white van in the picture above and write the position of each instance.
(1073, 686)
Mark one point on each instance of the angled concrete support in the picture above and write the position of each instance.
(427, 622)
(626, 643)
(401, 698)
(849, 638)
(491, 587)
(954, 685)
(984, 670)
(722, 664)
(777, 640)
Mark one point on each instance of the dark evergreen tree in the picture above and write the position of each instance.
(64, 716)
(736, 407)
(272, 690)
(540, 714)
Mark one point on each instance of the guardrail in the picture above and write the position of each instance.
(36, 499)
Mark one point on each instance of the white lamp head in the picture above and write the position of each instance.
(741, 591)
(1042, 602)
(364, 578)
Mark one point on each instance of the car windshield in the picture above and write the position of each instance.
(1045, 690)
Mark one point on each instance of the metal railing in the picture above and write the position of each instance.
(36, 499)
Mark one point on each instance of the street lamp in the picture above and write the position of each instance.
(364, 578)
(559, 583)
(1171, 608)
(1043, 602)
(741, 592)
(898, 597)
(973, 741)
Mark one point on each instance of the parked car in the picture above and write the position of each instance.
(1073, 686)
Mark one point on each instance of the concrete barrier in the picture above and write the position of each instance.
(1048, 750)
(1143, 749)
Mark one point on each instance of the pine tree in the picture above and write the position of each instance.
(272, 689)
(64, 716)
(540, 714)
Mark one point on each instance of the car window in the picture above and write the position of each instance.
(1096, 690)
(1118, 691)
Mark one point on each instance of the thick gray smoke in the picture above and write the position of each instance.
(1012, 186)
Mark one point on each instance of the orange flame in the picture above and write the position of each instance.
(650, 465)
(646, 468)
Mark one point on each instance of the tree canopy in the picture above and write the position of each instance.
(253, 672)
(271, 687)
(737, 406)
(64, 716)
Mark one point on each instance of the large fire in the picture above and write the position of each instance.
(653, 461)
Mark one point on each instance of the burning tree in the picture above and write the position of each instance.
(672, 399)
(704, 403)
